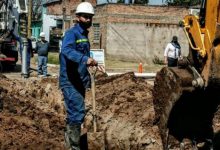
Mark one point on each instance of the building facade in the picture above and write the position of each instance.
(129, 32)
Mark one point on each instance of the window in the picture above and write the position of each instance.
(59, 24)
(1, 17)
(96, 27)
(2, 14)
(22, 5)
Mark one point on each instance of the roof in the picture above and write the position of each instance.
(47, 2)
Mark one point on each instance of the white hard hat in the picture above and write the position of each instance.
(85, 7)
(42, 34)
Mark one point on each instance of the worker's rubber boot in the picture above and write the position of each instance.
(72, 136)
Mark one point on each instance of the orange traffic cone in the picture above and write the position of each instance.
(140, 68)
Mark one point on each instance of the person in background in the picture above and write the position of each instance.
(30, 54)
(172, 52)
(42, 49)
(74, 77)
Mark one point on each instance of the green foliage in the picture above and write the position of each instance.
(53, 58)
(183, 2)
(141, 1)
(158, 61)
(135, 1)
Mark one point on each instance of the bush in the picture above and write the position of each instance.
(53, 58)
(158, 61)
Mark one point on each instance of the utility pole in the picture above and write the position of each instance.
(29, 18)
(25, 33)
(64, 15)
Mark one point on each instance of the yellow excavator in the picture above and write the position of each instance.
(186, 97)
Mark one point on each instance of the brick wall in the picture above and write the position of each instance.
(57, 8)
(123, 26)
(142, 14)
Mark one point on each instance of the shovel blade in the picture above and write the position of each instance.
(96, 141)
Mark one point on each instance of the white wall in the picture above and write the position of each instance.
(48, 22)
(138, 42)
(157, 2)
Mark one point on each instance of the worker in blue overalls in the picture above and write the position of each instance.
(74, 77)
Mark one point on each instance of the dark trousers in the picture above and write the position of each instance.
(74, 104)
(172, 62)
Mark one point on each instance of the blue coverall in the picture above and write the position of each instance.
(74, 77)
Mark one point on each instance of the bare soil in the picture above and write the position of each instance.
(33, 116)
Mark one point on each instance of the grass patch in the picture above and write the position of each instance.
(53, 58)
(157, 60)
(124, 66)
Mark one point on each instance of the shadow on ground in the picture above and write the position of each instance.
(216, 140)
(11, 68)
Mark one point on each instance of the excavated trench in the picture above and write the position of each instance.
(192, 115)
(33, 117)
(188, 113)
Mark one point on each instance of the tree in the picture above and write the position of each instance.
(135, 1)
(141, 1)
(37, 10)
(183, 2)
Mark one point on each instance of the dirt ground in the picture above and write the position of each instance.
(33, 117)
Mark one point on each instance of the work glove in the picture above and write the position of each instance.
(92, 62)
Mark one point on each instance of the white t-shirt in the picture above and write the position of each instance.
(172, 52)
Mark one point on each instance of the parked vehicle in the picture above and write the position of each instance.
(11, 13)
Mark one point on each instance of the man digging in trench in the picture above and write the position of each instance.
(74, 77)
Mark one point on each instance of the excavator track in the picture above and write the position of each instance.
(183, 111)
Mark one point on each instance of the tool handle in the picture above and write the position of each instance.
(93, 103)
(92, 73)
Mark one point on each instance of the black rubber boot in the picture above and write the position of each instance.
(72, 136)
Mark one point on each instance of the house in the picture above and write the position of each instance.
(128, 31)
(58, 18)
(136, 32)
(37, 20)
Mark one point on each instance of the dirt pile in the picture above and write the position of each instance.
(125, 112)
(32, 113)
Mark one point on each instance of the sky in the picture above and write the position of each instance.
(156, 2)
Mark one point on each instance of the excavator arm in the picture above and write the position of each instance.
(203, 36)
(186, 97)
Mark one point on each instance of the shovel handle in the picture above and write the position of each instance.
(92, 76)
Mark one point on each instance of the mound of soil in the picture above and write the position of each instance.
(30, 115)
(125, 112)
(33, 116)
